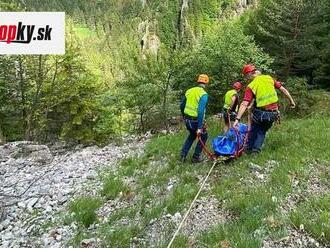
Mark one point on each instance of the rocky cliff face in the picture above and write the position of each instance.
(186, 21)
(169, 22)
(242, 5)
(150, 41)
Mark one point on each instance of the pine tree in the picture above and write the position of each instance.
(294, 32)
(320, 29)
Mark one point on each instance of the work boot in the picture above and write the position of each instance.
(248, 151)
(252, 152)
(255, 152)
(182, 159)
(196, 160)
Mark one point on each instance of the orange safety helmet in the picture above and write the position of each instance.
(248, 68)
(237, 85)
(203, 78)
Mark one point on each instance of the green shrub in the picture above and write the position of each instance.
(308, 102)
(221, 54)
(84, 209)
(112, 186)
(128, 166)
(121, 237)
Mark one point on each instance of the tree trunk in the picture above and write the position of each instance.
(165, 94)
(295, 33)
(180, 28)
(22, 88)
(85, 18)
(2, 137)
(141, 122)
(36, 100)
(52, 86)
(95, 23)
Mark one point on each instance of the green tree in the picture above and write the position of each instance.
(222, 53)
(320, 29)
(71, 106)
(296, 34)
(46, 97)
(147, 89)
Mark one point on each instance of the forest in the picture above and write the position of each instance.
(128, 63)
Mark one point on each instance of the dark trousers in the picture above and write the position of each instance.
(232, 115)
(262, 121)
(192, 126)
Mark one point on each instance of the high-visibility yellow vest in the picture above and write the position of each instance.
(193, 96)
(228, 98)
(263, 87)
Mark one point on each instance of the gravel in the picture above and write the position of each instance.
(206, 213)
(294, 239)
(37, 182)
(300, 191)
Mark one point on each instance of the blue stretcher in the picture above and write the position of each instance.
(231, 143)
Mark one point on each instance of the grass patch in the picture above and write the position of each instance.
(323, 168)
(112, 186)
(291, 145)
(181, 241)
(79, 236)
(182, 194)
(234, 234)
(314, 214)
(128, 166)
(256, 202)
(228, 183)
(83, 210)
(122, 213)
(178, 200)
(119, 237)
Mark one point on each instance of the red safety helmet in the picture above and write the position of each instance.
(237, 85)
(248, 68)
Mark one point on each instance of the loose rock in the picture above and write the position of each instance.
(37, 184)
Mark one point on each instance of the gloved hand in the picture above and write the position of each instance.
(199, 132)
(235, 125)
(233, 116)
(204, 125)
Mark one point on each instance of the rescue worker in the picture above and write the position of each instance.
(193, 107)
(262, 89)
(231, 105)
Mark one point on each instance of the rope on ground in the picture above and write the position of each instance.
(211, 156)
(191, 205)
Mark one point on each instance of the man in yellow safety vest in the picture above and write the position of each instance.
(231, 105)
(193, 107)
(262, 89)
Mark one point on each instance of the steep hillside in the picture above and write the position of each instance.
(277, 199)
(113, 197)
